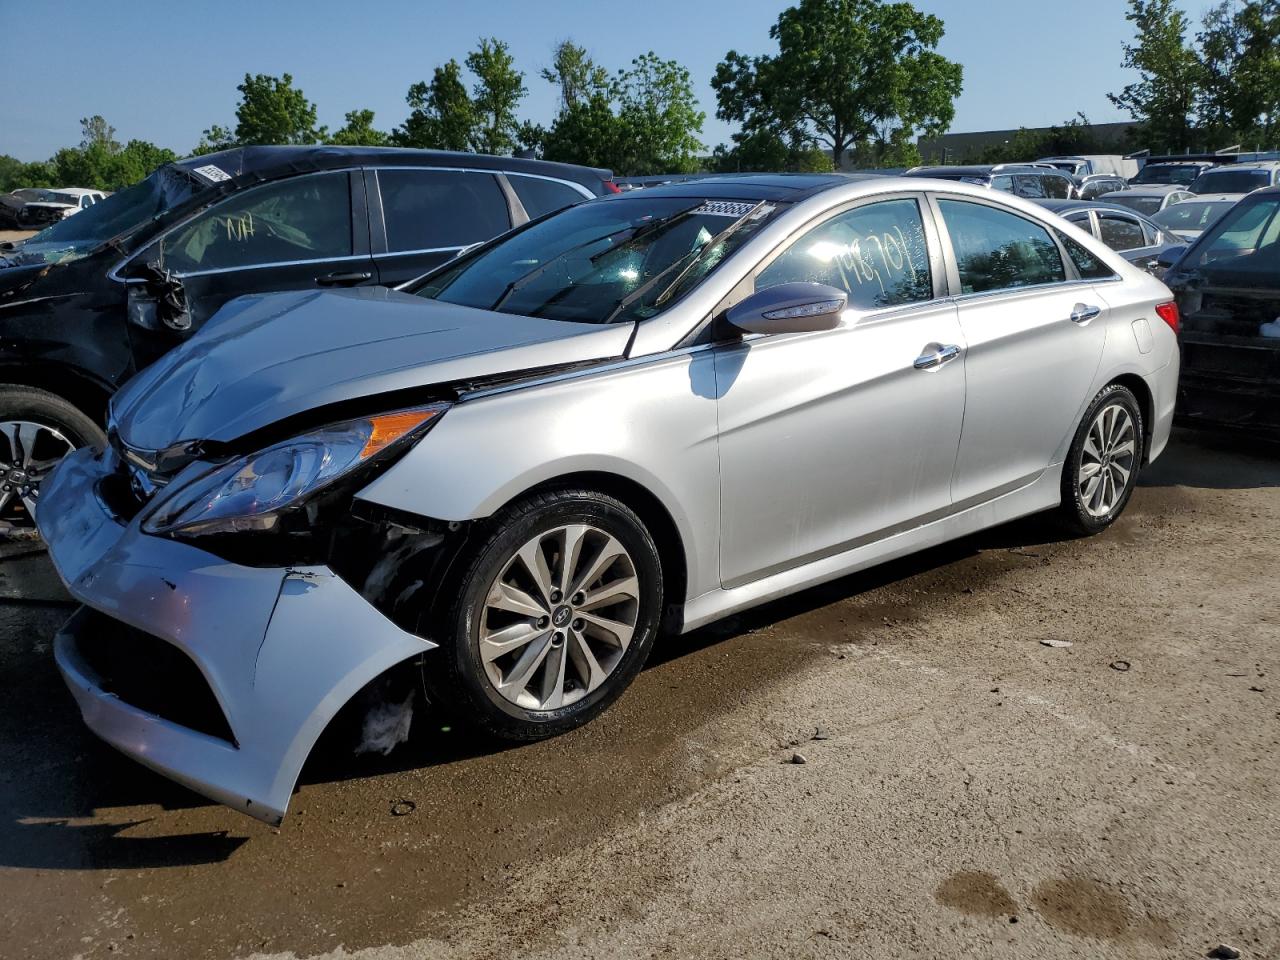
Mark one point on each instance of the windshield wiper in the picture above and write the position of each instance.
(637, 233)
(696, 255)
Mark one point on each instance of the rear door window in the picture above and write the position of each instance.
(540, 196)
(1030, 186)
(440, 209)
(1056, 188)
(300, 219)
(998, 250)
(1120, 232)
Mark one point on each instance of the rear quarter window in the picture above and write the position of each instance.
(540, 196)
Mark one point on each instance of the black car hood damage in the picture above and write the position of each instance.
(267, 358)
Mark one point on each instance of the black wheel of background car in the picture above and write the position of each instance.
(554, 614)
(1103, 462)
(37, 429)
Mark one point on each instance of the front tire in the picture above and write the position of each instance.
(556, 610)
(1102, 464)
(37, 429)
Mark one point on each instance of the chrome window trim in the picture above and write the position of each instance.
(212, 271)
(406, 253)
(586, 194)
(963, 298)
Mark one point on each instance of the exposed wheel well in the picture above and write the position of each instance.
(656, 518)
(1138, 387)
(88, 396)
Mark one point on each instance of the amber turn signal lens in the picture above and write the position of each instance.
(390, 427)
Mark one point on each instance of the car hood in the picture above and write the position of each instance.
(262, 359)
(51, 205)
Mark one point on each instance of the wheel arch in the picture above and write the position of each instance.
(652, 512)
(85, 392)
(1136, 385)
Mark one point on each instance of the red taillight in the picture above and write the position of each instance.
(611, 187)
(1169, 314)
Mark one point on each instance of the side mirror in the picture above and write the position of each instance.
(789, 308)
(1167, 257)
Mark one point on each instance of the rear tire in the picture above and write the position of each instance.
(531, 649)
(37, 428)
(1103, 461)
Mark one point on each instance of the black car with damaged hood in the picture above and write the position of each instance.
(91, 300)
(1228, 287)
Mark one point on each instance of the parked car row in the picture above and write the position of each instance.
(402, 417)
(29, 208)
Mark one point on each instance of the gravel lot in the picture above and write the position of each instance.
(975, 792)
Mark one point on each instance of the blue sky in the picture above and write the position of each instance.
(163, 71)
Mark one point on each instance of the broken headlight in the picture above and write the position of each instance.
(251, 493)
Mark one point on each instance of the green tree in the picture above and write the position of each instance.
(96, 132)
(498, 91)
(645, 120)
(11, 171)
(1164, 97)
(1240, 69)
(766, 150)
(576, 74)
(137, 160)
(659, 116)
(844, 71)
(587, 132)
(358, 131)
(271, 110)
(216, 138)
(441, 114)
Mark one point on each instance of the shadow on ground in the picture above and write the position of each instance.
(69, 802)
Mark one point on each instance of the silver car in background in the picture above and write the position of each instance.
(635, 416)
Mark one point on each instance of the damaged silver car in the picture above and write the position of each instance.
(629, 418)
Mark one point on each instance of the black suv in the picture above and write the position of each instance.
(1228, 287)
(91, 300)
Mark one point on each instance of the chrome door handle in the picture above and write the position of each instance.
(1083, 313)
(936, 357)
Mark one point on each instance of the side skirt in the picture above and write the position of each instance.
(1043, 493)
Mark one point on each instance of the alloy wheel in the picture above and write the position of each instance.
(559, 617)
(1107, 460)
(28, 452)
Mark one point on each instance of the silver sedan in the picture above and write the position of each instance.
(630, 418)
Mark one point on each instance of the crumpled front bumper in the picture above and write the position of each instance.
(281, 649)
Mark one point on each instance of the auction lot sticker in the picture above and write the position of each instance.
(212, 173)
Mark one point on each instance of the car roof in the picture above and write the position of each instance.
(971, 170)
(792, 187)
(1251, 165)
(1155, 189)
(272, 162)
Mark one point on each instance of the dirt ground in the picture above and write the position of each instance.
(970, 791)
(12, 235)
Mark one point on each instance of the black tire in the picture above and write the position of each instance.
(33, 405)
(1075, 513)
(460, 679)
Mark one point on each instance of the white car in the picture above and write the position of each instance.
(54, 205)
